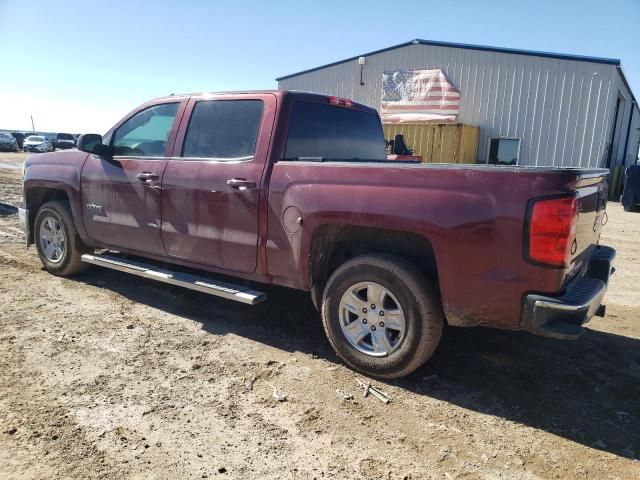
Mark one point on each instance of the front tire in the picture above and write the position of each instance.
(381, 315)
(57, 241)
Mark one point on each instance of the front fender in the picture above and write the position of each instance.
(55, 172)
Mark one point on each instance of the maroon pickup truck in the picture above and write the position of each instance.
(295, 189)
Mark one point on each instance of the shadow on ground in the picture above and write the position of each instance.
(587, 391)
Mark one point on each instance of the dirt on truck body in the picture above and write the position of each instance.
(106, 376)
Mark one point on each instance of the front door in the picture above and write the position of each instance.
(121, 195)
(212, 185)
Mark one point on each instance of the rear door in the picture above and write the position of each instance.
(213, 184)
(122, 194)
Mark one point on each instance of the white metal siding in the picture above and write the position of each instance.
(634, 134)
(560, 109)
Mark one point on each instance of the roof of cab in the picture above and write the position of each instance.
(278, 93)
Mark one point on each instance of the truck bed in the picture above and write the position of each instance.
(473, 215)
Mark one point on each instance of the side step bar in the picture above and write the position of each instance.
(226, 290)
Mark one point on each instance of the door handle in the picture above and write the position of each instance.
(241, 184)
(145, 177)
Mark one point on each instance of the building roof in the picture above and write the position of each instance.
(418, 41)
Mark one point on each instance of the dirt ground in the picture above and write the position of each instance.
(108, 376)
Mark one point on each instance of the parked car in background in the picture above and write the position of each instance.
(8, 143)
(38, 144)
(51, 138)
(295, 189)
(19, 138)
(64, 141)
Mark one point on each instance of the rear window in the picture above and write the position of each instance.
(65, 136)
(334, 133)
(223, 129)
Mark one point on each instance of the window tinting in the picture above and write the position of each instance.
(332, 132)
(504, 151)
(145, 134)
(223, 129)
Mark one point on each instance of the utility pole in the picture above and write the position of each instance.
(33, 127)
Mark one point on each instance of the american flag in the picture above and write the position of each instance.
(418, 96)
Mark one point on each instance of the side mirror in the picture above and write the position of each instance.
(92, 143)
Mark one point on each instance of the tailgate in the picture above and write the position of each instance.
(592, 190)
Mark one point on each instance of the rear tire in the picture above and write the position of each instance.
(390, 344)
(57, 241)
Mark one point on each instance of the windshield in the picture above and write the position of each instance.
(35, 138)
(5, 136)
(65, 136)
(334, 133)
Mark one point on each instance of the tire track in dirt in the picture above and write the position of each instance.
(8, 258)
(19, 257)
(13, 250)
(10, 231)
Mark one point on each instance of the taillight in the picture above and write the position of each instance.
(342, 102)
(552, 230)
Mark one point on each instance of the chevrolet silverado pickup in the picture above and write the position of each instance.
(224, 192)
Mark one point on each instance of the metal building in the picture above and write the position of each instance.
(555, 109)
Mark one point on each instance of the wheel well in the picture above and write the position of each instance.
(332, 245)
(36, 197)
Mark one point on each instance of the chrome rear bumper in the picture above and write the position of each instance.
(563, 316)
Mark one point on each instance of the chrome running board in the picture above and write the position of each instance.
(203, 284)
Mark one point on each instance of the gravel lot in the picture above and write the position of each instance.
(108, 376)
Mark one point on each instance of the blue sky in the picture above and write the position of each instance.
(80, 66)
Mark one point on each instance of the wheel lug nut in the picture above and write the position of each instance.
(373, 327)
(364, 320)
(381, 313)
(373, 307)
(364, 310)
(382, 324)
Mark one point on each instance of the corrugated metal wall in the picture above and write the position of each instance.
(626, 138)
(618, 153)
(562, 110)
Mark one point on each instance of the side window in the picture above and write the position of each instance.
(145, 134)
(223, 129)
